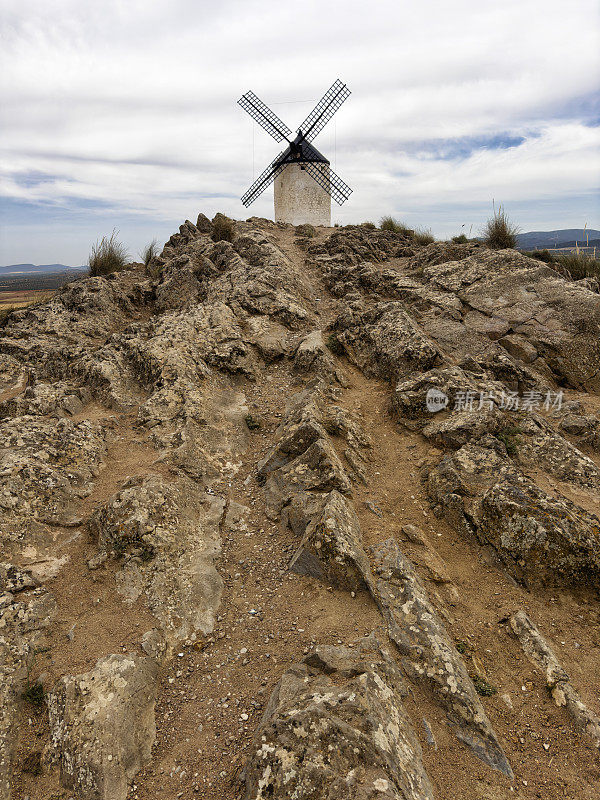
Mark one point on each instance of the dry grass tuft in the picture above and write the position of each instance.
(107, 255)
(149, 252)
(499, 232)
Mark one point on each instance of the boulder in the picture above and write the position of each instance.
(102, 725)
(335, 728)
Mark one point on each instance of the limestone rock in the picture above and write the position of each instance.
(331, 548)
(335, 728)
(102, 725)
(558, 682)
(429, 655)
(540, 538)
(170, 538)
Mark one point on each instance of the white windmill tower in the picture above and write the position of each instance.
(304, 180)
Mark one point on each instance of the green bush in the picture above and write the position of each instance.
(580, 265)
(482, 686)
(223, 229)
(499, 232)
(423, 236)
(541, 255)
(306, 230)
(334, 344)
(509, 436)
(370, 225)
(107, 255)
(149, 252)
(460, 239)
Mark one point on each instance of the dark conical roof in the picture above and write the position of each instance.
(301, 150)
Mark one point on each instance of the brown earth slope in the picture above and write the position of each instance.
(242, 559)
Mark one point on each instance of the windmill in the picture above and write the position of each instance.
(304, 180)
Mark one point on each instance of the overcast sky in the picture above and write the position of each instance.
(122, 113)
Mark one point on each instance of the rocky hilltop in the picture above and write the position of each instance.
(302, 517)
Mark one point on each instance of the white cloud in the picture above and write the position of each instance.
(132, 105)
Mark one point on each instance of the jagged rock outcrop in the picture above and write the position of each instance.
(540, 538)
(558, 682)
(170, 538)
(262, 504)
(428, 654)
(335, 727)
(102, 725)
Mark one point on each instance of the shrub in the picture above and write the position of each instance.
(393, 225)
(306, 230)
(542, 255)
(370, 225)
(423, 236)
(334, 344)
(510, 439)
(252, 422)
(460, 239)
(108, 255)
(580, 265)
(223, 229)
(482, 686)
(499, 232)
(149, 252)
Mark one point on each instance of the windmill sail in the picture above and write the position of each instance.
(324, 110)
(265, 179)
(262, 114)
(328, 180)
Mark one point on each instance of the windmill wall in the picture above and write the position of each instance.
(299, 200)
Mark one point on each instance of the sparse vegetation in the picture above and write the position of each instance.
(306, 230)
(393, 225)
(509, 437)
(483, 687)
(580, 265)
(334, 344)
(542, 255)
(33, 691)
(460, 239)
(223, 229)
(252, 422)
(149, 252)
(420, 236)
(423, 236)
(107, 255)
(32, 763)
(370, 225)
(462, 647)
(499, 232)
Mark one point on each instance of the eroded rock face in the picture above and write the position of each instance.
(540, 653)
(540, 538)
(45, 465)
(26, 615)
(175, 354)
(331, 548)
(428, 653)
(102, 725)
(170, 539)
(335, 728)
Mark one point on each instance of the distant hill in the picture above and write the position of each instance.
(47, 277)
(37, 269)
(536, 240)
